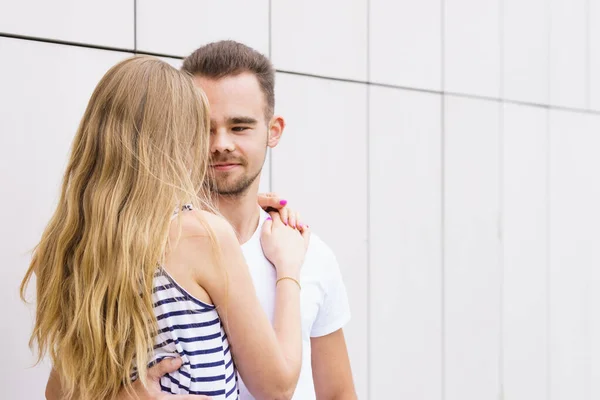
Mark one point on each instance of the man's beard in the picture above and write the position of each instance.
(234, 189)
(231, 189)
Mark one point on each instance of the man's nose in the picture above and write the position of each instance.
(221, 142)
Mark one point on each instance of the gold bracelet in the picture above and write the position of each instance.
(291, 279)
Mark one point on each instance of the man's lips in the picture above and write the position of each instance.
(224, 166)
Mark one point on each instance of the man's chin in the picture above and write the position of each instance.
(229, 189)
(232, 186)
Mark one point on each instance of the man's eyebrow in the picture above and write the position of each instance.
(241, 120)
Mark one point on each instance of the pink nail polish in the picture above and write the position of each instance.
(269, 219)
(283, 202)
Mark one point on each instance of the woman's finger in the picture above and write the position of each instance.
(305, 232)
(284, 214)
(292, 219)
(271, 200)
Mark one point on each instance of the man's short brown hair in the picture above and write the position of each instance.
(226, 58)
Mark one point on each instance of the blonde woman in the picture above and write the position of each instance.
(136, 266)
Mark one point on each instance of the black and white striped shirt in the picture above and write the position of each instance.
(193, 330)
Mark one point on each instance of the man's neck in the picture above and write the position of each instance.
(242, 212)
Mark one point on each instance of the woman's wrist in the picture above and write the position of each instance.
(288, 271)
(288, 280)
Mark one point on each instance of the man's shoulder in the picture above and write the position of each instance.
(319, 247)
(320, 256)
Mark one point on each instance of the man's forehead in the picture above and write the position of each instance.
(233, 97)
(245, 82)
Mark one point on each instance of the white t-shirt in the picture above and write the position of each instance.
(324, 304)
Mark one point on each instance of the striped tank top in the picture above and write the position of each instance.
(193, 330)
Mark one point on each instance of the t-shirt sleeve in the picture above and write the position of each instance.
(334, 312)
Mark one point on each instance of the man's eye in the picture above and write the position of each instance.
(239, 128)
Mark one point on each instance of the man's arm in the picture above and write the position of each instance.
(332, 374)
(54, 390)
(331, 370)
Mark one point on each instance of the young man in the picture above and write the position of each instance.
(239, 84)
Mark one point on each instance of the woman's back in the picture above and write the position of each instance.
(192, 329)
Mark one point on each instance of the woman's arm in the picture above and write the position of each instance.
(267, 357)
(53, 387)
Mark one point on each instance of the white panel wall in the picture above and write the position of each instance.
(184, 25)
(326, 38)
(174, 62)
(574, 255)
(321, 164)
(526, 29)
(568, 46)
(472, 47)
(406, 254)
(525, 252)
(105, 23)
(472, 270)
(399, 61)
(594, 56)
(37, 124)
(265, 176)
(480, 277)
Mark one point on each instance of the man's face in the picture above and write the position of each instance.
(238, 132)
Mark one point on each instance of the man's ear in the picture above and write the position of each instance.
(276, 127)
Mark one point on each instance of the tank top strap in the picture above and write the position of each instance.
(185, 207)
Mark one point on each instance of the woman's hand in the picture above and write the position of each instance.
(284, 246)
(289, 217)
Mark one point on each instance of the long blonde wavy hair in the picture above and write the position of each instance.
(141, 150)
